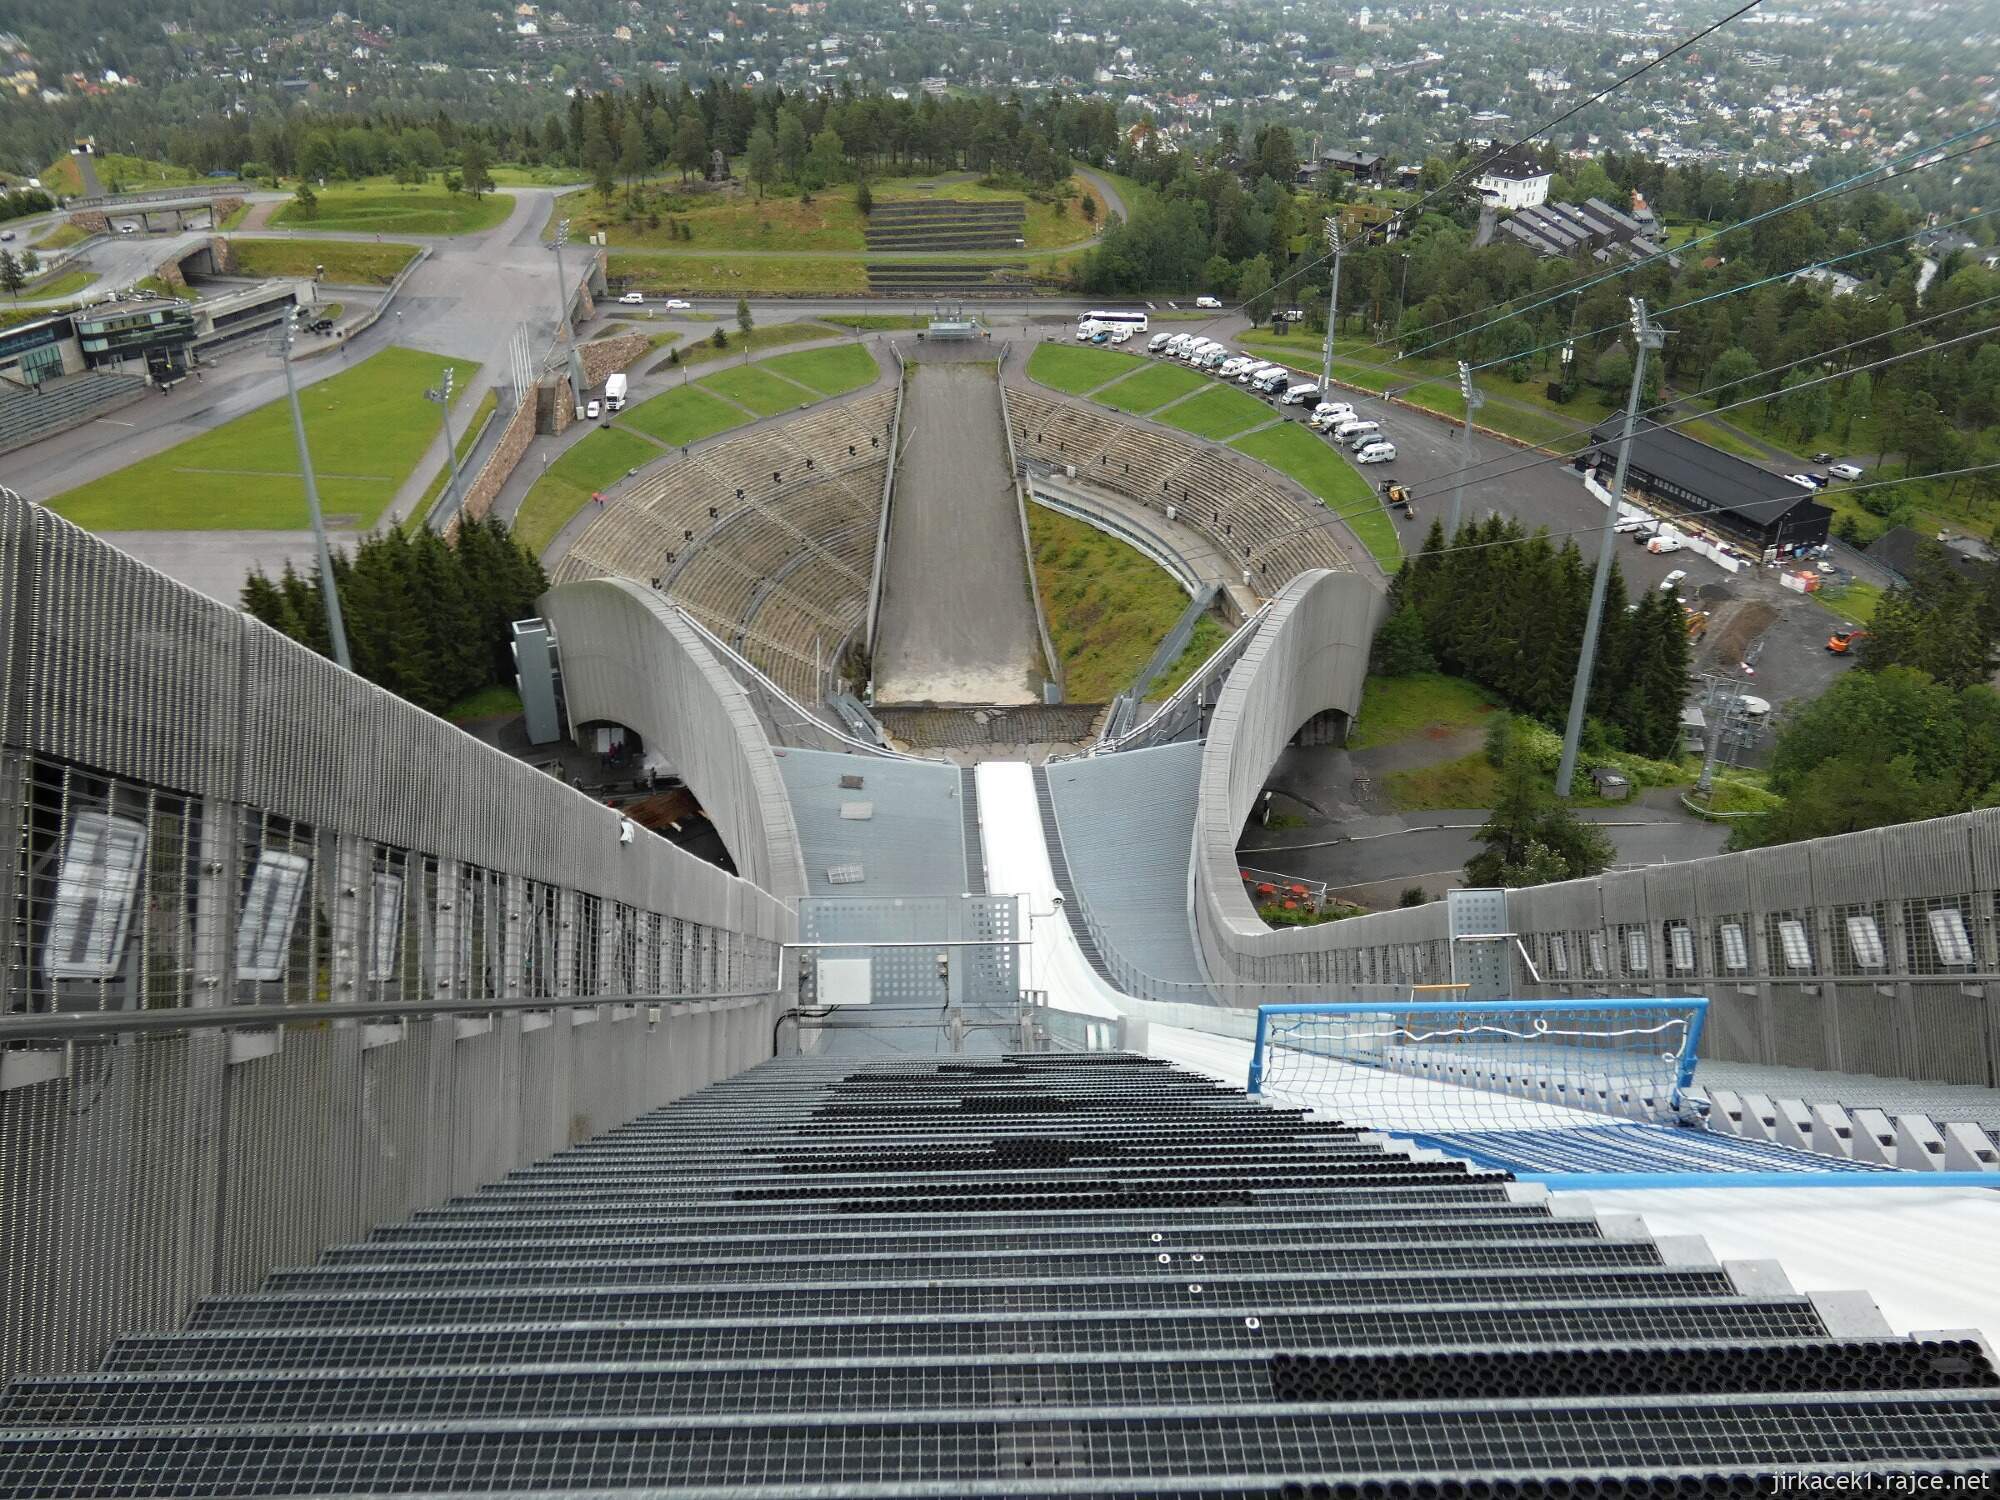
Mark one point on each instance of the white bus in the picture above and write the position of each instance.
(1136, 321)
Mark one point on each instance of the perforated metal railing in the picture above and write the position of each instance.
(1025, 1275)
(282, 955)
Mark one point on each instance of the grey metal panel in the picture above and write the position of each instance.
(120, 668)
(1868, 1026)
(1932, 858)
(1845, 869)
(1624, 895)
(911, 844)
(1983, 837)
(628, 658)
(1779, 879)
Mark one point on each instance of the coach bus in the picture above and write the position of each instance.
(1136, 321)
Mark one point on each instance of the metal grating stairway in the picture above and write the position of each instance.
(1059, 867)
(1073, 1274)
(975, 848)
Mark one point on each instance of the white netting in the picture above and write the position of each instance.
(1433, 1067)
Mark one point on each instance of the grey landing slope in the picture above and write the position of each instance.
(958, 623)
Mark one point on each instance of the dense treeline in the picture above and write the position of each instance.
(653, 126)
(426, 620)
(24, 201)
(1507, 610)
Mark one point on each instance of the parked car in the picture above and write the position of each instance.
(1635, 524)
(1666, 541)
(5, 235)
(679, 304)
(1673, 580)
(1362, 436)
(1845, 471)
(1376, 452)
(1120, 335)
(1803, 481)
(633, 299)
(593, 409)
(1207, 302)
(320, 325)
(1157, 342)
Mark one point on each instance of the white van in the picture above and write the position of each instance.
(1086, 331)
(1376, 452)
(1363, 434)
(1271, 381)
(1346, 427)
(1157, 342)
(1256, 368)
(1200, 347)
(1301, 394)
(1235, 365)
(1328, 417)
(1178, 343)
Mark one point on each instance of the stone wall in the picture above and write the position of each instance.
(221, 208)
(499, 467)
(91, 221)
(602, 356)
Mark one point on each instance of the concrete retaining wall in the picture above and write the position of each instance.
(1310, 656)
(515, 439)
(629, 657)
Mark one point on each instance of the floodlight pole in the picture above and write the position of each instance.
(442, 395)
(1474, 399)
(562, 283)
(336, 629)
(1332, 227)
(1647, 338)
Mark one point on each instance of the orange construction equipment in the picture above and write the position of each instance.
(1842, 641)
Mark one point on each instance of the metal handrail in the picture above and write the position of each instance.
(55, 1025)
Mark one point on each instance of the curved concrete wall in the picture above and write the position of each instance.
(1310, 655)
(627, 656)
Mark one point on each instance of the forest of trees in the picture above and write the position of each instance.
(1506, 609)
(622, 134)
(425, 619)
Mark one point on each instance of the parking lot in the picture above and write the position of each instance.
(1784, 632)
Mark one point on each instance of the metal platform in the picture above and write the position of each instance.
(1076, 1275)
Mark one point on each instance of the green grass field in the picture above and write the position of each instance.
(755, 387)
(1854, 601)
(776, 336)
(388, 208)
(1292, 449)
(1153, 386)
(1108, 605)
(161, 288)
(66, 285)
(347, 263)
(367, 428)
(62, 237)
(1218, 413)
(512, 174)
(1468, 781)
(132, 173)
(1425, 703)
(1076, 368)
(831, 372)
(595, 463)
(685, 414)
(1209, 633)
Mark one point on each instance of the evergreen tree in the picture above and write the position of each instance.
(1530, 837)
(760, 159)
(1400, 648)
